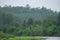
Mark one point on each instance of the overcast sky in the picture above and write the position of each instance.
(53, 4)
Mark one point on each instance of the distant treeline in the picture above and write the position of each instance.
(27, 21)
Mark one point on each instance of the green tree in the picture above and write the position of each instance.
(58, 19)
(30, 21)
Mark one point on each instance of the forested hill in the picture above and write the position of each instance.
(24, 13)
(27, 21)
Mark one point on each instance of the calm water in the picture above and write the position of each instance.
(53, 38)
(47, 38)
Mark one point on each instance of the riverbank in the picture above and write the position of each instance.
(33, 38)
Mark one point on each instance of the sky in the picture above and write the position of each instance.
(50, 4)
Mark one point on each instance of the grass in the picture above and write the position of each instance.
(25, 38)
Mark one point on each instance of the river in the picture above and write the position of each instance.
(47, 38)
(52, 38)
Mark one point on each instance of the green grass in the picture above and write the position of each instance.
(25, 38)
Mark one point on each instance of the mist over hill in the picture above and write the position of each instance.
(24, 13)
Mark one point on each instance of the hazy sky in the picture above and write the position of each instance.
(53, 4)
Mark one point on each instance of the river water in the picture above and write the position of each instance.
(47, 38)
(52, 38)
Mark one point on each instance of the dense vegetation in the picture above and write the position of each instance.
(27, 21)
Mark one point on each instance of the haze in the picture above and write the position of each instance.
(53, 4)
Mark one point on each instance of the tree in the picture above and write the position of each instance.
(7, 18)
(24, 23)
(58, 19)
(30, 21)
(28, 6)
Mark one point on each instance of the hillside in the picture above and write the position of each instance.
(27, 21)
(24, 13)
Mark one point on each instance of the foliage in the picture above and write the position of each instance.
(26, 21)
